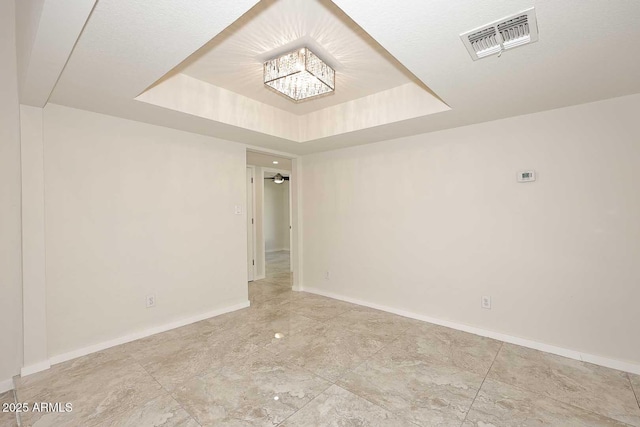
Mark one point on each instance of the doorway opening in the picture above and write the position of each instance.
(277, 224)
(272, 247)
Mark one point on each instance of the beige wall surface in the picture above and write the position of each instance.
(133, 210)
(10, 199)
(34, 301)
(430, 223)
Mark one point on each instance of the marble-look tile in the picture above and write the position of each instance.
(204, 355)
(260, 292)
(427, 394)
(244, 393)
(7, 419)
(427, 342)
(159, 345)
(337, 407)
(231, 320)
(590, 387)
(68, 372)
(263, 332)
(326, 350)
(255, 314)
(7, 397)
(385, 326)
(320, 308)
(635, 384)
(282, 278)
(500, 404)
(111, 389)
(163, 411)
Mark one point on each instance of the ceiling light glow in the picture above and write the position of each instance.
(299, 75)
(275, 162)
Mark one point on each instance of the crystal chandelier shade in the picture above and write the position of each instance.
(299, 75)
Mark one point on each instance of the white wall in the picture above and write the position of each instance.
(276, 216)
(430, 223)
(10, 221)
(131, 210)
(34, 302)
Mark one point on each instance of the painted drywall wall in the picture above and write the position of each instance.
(431, 223)
(133, 210)
(34, 303)
(10, 199)
(276, 216)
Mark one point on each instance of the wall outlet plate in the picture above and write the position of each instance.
(151, 301)
(485, 302)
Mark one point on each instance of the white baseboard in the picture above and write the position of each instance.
(536, 345)
(59, 358)
(35, 367)
(6, 385)
(264, 276)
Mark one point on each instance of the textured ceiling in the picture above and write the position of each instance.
(587, 51)
(233, 59)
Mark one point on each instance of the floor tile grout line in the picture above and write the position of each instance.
(481, 384)
(637, 395)
(372, 355)
(193, 417)
(15, 400)
(486, 375)
(399, 414)
(310, 400)
(98, 422)
(354, 392)
(519, 387)
(168, 392)
(562, 402)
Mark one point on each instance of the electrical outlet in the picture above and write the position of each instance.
(326, 275)
(151, 301)
(486, 302)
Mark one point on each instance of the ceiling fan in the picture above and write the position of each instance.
(278, 178)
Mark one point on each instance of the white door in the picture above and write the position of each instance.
(250, 226)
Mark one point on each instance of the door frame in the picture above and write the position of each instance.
(295, 206)
(251, 227)
(290, 175)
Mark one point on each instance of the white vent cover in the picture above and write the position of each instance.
(501, 35)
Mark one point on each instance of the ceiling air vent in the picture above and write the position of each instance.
(501, 35)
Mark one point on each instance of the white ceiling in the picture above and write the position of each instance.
(233, 59)
(587, 51)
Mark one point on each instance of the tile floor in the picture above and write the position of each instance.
(337, 364)
(6, 419)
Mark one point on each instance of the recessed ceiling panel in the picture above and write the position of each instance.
(234, 59)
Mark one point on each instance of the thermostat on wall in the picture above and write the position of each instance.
(526, 176)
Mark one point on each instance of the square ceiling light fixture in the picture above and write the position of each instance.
(299, 75)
